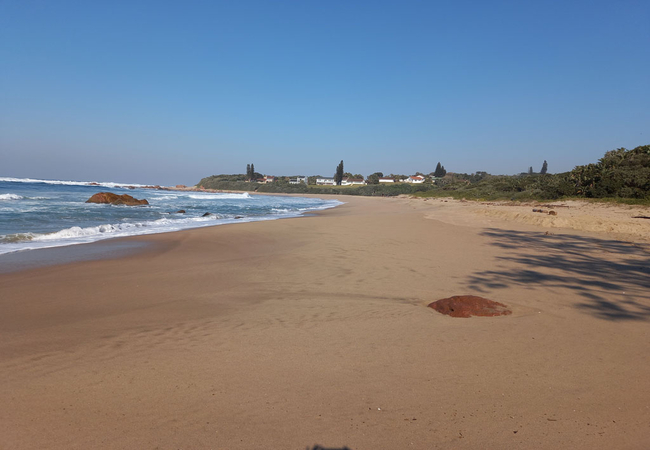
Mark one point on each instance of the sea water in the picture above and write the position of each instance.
(48, 213)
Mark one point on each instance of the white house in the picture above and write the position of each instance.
(351, 181)
(268, 179)
(298, 180)
(415, 179)
(386, 180)
(328, 181)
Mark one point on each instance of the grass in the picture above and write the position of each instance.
(618, 201)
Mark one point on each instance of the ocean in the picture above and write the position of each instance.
(38, 214)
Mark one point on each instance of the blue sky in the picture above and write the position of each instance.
(169, 92)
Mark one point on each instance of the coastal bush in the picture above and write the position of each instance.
(226, 178)
(620, 174)
(217, 183)
(220, 182)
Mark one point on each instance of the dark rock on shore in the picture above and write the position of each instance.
(206, 214)
(180, 211)
(114, 199)
(469, 305)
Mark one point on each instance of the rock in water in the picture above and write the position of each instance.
(469, 305)
(114, 199)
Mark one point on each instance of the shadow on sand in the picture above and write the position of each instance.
(613, 277)
(318, 447)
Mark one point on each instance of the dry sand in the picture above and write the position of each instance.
(625, 222)
(290, 333)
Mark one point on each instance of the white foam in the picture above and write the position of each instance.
(166, 196)
(72, 183)
(220, 196)
(20, 197)
(11, 197)
(122, 229)
(80, 235)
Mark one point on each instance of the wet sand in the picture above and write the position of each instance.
(290, 333)
(112, 248)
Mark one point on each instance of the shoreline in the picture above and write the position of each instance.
(19, 253)
(573, 216)
(112, 248)
(288, 333)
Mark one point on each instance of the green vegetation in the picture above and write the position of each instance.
(238, 183)
(501, 187)
(440, 171)
(621, 175)
(338, 176)
(226, 178)
(374, 178)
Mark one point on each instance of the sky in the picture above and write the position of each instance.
(170, 92)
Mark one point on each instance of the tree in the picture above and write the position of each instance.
(440, 171)
(248, 172)
(544, 168)
(530, 170)
(253, 177)
(620, 173)
(338, 176)
(374, 178)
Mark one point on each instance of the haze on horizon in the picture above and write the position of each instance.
(167, 93)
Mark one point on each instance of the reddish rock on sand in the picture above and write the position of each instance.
(114, 199)
(469, 305)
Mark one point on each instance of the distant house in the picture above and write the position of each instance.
(298, 180)
(416, 179)
(327, 181)
(386, 180)
(269, 179)
(351, 181)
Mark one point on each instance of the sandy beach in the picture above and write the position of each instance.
(289, 333)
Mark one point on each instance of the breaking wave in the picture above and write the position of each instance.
(52, 213)
(11, 197)
(220, 196)
(109, 184)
